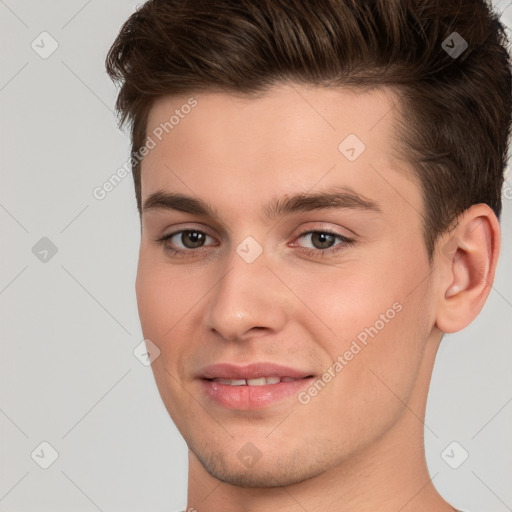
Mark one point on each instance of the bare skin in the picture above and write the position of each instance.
(357, 444)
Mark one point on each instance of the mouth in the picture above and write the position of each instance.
(253, 386)
(252, 373)
(258, 381)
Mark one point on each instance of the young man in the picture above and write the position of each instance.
(319, 186)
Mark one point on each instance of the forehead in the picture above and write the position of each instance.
(289, 137)
(292, 112)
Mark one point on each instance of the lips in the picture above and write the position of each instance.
(251, 371)
(253, 386)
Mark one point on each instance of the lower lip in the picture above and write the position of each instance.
(252, 397)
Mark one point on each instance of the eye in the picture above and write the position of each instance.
(323, 242)
(189, 239)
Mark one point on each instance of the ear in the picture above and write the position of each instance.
(467, 258)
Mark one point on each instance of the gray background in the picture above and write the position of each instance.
(69, 325)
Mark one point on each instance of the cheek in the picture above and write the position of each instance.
(151, 302)
(163, 300)
(346, 302)
(378, 345)
(162, 297)
(378, 326)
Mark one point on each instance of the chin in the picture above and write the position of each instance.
(280, 471)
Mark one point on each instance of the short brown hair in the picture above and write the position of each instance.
(454, 113)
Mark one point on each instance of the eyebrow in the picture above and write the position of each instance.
(343, 198)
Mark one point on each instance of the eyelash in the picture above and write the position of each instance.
(346, 242)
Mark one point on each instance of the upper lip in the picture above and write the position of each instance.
(251, 371)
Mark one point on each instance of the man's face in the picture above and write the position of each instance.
(249, 288)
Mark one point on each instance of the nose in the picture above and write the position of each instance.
(246, 299)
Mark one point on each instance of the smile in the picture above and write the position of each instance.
(261, 381)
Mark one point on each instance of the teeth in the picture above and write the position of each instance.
(235, 382)
(261, 381)
(257, 382)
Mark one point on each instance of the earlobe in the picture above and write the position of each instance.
(467, 260)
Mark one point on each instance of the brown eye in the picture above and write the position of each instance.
(192, 239)
(323, 243)
(321, 240)
(184, 241)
